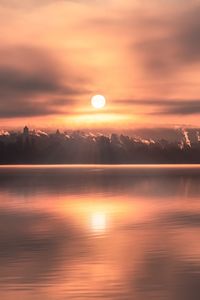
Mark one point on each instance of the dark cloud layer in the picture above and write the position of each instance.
(32, 83)
(176, 107)
(184, 108)
(168, 107)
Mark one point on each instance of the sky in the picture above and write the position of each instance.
(143, 56)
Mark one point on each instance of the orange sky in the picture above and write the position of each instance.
(144, 56)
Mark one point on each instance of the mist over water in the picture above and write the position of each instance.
(100, 232)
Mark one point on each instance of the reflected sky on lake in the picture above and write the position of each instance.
(99, 233)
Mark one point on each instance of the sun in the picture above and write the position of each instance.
(98, 101)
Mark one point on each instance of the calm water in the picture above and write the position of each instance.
(95, 232)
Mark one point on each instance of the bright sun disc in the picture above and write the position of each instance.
(98, 101)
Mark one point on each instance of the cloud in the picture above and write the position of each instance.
(27, 4)
(32, 83)
(168, 44)
(185, 107)
(182, 109)
(168, 107)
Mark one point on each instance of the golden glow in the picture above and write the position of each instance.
(98, 101)
(97, 118)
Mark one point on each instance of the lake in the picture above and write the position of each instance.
(100, 232)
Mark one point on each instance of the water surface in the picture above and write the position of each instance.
(100, 232)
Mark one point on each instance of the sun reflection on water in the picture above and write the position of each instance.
(98, 222)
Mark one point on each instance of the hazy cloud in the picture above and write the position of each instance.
(172, 106)
(27, 4)
(184, 108)
(165, 46)
(32, 83)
